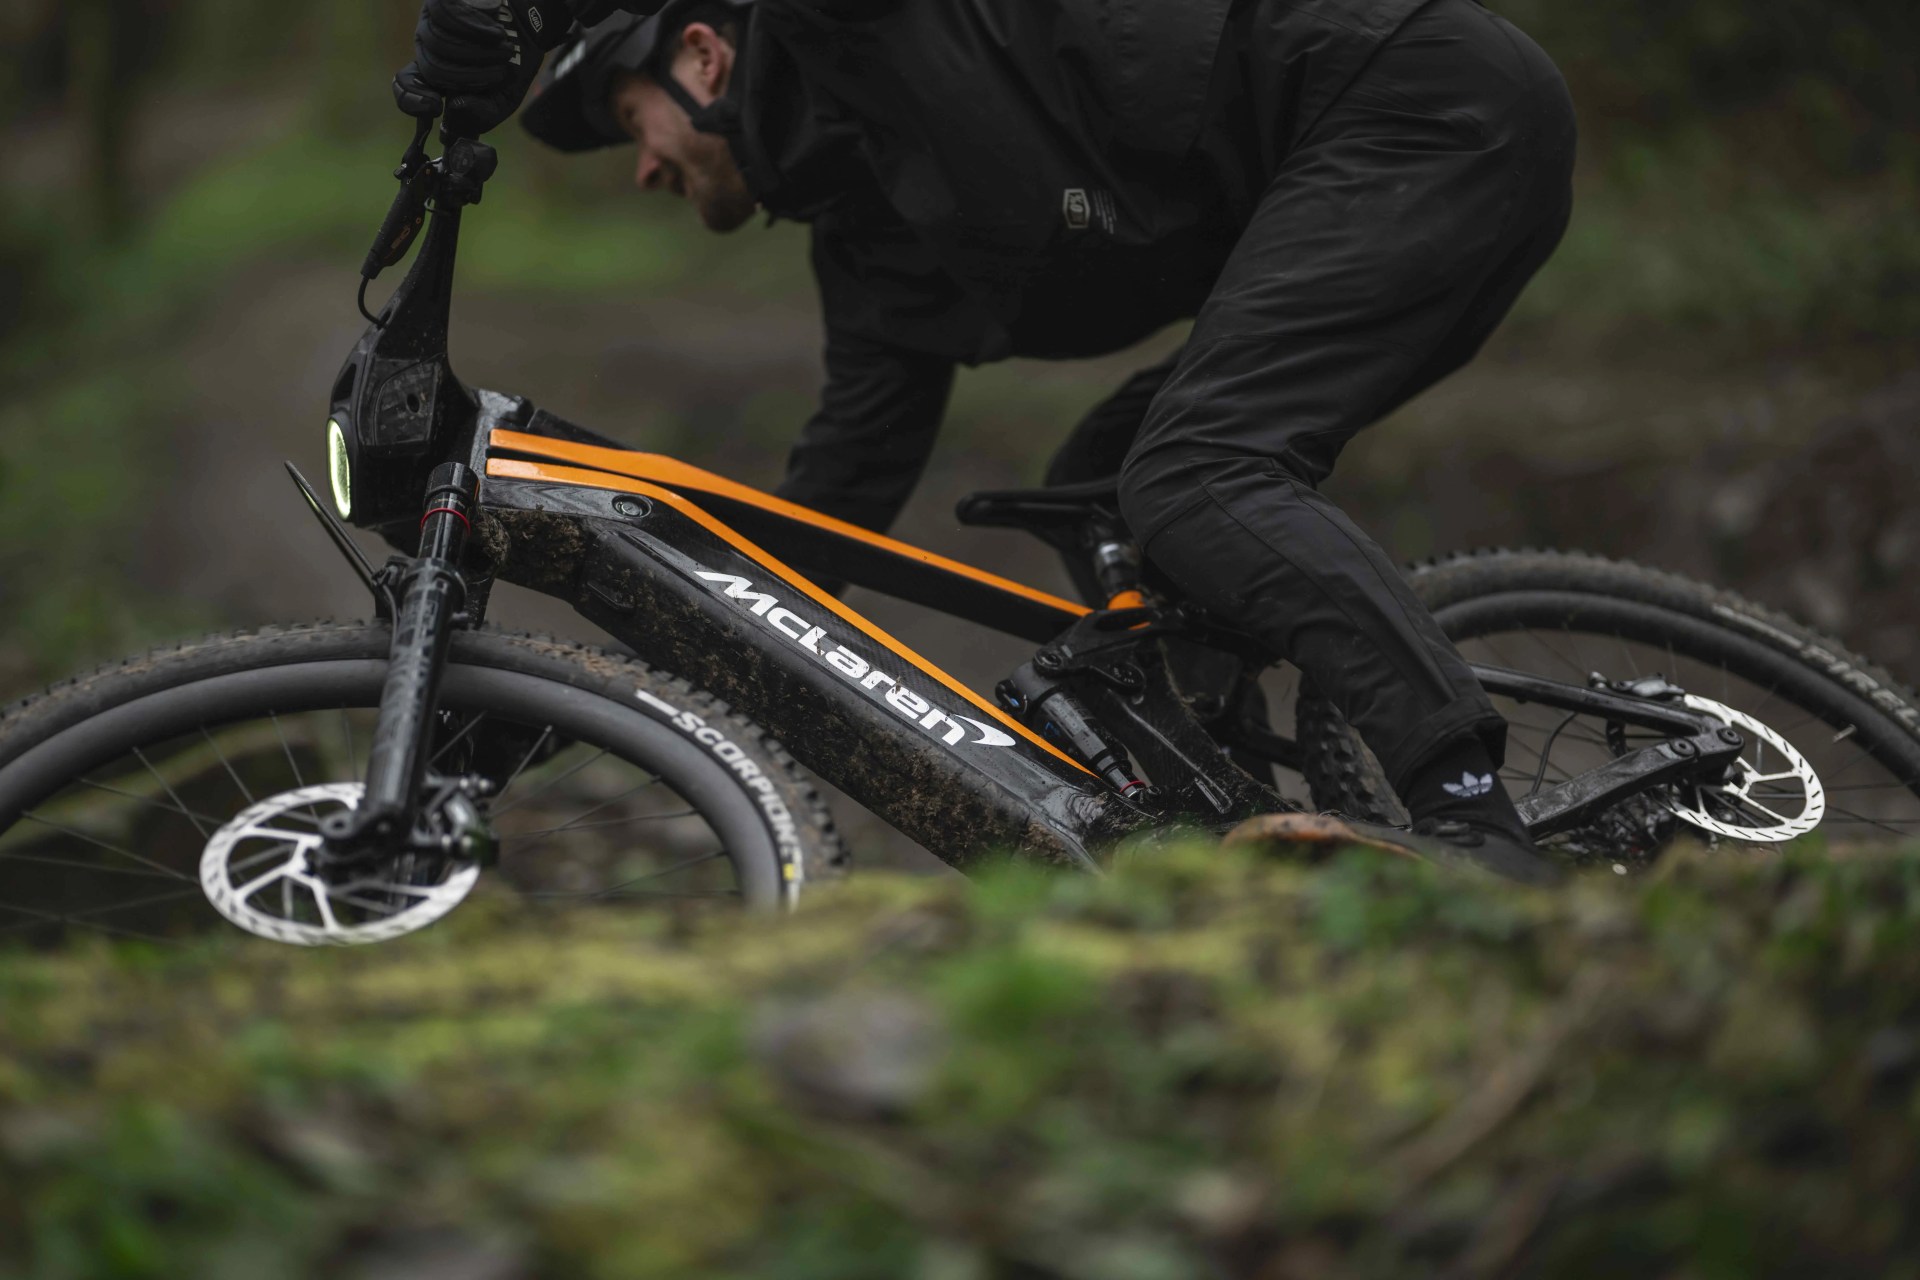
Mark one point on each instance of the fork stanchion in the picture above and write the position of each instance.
(431, 594)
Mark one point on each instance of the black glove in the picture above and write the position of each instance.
(588, 12)
(476, 59)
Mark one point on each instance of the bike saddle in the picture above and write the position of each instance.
(1059, 507)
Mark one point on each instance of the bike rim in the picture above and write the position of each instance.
(116, 851)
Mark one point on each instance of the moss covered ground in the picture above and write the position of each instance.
(1206, 1064)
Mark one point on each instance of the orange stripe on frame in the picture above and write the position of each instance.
(676, 474)
(508, 469)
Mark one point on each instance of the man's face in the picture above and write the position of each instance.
(673, 155)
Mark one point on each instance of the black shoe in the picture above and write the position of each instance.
(1501, 852)
(1446, 843)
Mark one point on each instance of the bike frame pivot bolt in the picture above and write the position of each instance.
(630, 506)
(1684, 747)
(1048, 660)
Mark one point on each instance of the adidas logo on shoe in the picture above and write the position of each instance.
(1469, 786)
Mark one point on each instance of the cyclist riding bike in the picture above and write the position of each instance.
(1345, 198)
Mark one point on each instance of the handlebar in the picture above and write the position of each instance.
(457, 178)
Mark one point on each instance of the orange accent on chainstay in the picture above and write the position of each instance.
(509, 469)
(675, 474)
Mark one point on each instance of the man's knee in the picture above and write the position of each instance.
(1148, 490)
(1159, 487)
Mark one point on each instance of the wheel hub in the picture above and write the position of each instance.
(262, 872)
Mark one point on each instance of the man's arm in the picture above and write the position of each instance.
(862, 453)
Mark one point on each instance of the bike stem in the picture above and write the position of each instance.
(431, 594)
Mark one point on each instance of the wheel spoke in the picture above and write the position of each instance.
(89, 918)
(550, 784)
(128, 854)
(225, 764)
(168, 788)
(1845, 818)
(662, 874)
(580, 823)
(1556, 655)
(195, 818)
(457, 738)
(92, 926)
(287, 748)
(73, 864)
(546, 735)
(717, 893)
(346, 730)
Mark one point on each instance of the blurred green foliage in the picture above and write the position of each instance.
(1840, 75)
(1205, 1064)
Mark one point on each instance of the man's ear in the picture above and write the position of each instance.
(708, 58)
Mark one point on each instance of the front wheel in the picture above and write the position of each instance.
(151, 798)
(1833, 741)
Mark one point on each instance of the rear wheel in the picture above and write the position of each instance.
(1833, 741)
(153, 798)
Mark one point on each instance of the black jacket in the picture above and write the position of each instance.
(990, 178)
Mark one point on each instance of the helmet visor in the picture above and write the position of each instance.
(572, 108)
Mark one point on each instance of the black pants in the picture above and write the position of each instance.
(1388, 245)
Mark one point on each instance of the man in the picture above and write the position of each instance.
(1346, 196)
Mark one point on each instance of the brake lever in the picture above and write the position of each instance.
(408, 213)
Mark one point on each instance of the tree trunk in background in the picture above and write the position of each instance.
(104, 89)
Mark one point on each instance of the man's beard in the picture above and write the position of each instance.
(719, 191)
(726, 206)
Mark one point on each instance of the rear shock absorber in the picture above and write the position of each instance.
(1046, 706)
(1116, 564)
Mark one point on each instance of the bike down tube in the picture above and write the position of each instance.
(691, 595)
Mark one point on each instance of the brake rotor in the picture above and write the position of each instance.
(261, 872)
(1730, 809)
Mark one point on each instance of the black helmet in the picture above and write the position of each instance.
(570, 110)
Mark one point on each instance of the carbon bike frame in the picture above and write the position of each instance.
(674, 562)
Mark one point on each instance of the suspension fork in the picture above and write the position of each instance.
(431, 594)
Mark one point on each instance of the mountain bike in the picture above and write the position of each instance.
(351, 782)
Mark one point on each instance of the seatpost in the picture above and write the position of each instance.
(431, 595)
